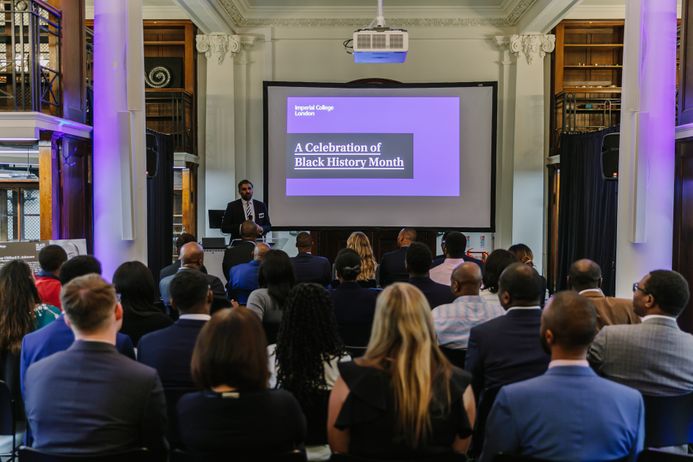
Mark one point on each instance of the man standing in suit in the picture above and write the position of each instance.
(418, 262)
(245, 208)
(654, 357)
(308, 267)
(90, 399)
(454, 320)
(241, 250)
(192, 259)
(392, 265)
(507, 349)
(585, 278)
(169, 350)
(569, 412)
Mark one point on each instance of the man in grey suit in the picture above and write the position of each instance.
(90, 399)
(654, 357)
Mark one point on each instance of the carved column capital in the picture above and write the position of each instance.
(532, 46)
(217, 44)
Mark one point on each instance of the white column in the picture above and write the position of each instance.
(220, 138)
(120, 194)
(646, 160)
(528, 141)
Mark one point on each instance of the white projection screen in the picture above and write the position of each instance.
(345, 155)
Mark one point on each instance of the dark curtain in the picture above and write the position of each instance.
(159, 201)
(587, 208)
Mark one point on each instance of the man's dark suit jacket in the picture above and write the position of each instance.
(234, 216)
(169, 351)
(173, 269)
(219, 301)
(56, 337)
(312, 268)
(354, 307)
(436, 294)
(505, 350)
(393, 268)
(239, 252)
(89, 399)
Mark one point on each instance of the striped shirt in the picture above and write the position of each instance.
(454, 320)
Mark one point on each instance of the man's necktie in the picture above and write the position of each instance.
(248, 211)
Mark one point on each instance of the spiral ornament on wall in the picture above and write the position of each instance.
(158, 77)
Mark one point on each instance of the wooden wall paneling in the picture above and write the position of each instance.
(683, 223)
(76, 201)
(49, 190)
(686, 80)
(559, 59)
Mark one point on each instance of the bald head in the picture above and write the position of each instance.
(584, 274)
(248, 230)
(192, 255)
(519, 285)
(260, 251)
(406, 236)
(466, 279)
(568, 325)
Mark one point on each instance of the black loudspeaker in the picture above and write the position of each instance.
(163, 72)
(152, 155)
(610, 145)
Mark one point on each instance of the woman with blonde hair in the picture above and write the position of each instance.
(402, 399)
(359, 242)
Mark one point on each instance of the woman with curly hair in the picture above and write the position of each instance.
(359, 242)
(305, 358)
(276, 279)
(402, 399)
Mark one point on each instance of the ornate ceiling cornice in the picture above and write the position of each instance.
(241, 20)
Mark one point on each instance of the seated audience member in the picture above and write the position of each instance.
(393, 267)
(50, 258)
(455, 245)
(496, 263)
(418, 261)
(654, 357)
(243, 278)
(354, 305)
(585, 278)
(304, 360)
(308, 267)
(135, 284)
(57, 336)
(169, 350)
(507, 349)
(524, 255)
(360, 243)
(192, 259)
(403, 399)
(240, 250)
(440, 258)
(569, 413)
(236, 413)
(454, 321)
(276, 279)
(89, 399)
(171, 269)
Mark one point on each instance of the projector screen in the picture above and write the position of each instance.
(418, 155)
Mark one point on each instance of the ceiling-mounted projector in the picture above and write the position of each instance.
(378, 43)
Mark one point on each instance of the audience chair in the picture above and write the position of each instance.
(179, 455)
(316, 418)
(668, 420)
(654, 455)
(134, 455)
(172, 395)
(488, 397)
(455, 356)
(451, 457)
(8, 422)
(355, 351)
(516, 458)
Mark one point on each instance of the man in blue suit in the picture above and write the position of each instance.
(57, 336)
(309, 267)
(569, 413)
(169, 350)
(244, 278)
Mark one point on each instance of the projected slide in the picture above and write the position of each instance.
(372, 146)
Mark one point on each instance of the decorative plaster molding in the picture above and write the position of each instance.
(532, 45)
(217, 43)
(241, 18)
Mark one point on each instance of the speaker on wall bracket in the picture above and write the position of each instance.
(610, 145)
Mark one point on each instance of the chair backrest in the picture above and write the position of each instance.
(455, 356)
(186, 456)
(133, 455)
(668, 420)
(316, 417)
(7, 408)
(448, 457)
(173, 394)
(653, 455)
(488, 397)
(356, 351)
(516, 458)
